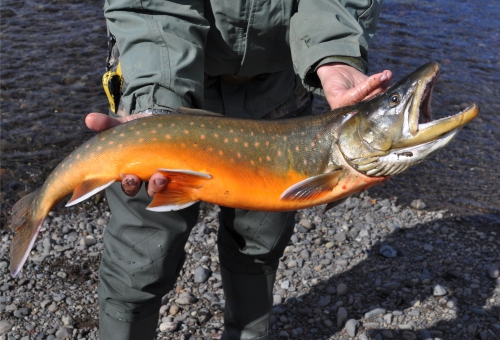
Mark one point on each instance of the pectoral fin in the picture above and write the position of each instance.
(181, 190)
(313, 188)
(89, 188)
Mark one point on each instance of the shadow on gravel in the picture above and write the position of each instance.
(455, 254)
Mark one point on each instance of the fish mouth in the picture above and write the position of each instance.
(419, 128)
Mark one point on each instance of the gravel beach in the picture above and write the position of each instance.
(367, 269)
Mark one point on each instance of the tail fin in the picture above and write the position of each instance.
(26, 224)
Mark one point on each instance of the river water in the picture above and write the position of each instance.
(53, 54)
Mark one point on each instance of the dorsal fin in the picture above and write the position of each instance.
(195, 112)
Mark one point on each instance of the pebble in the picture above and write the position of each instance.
(375, 313)
(438, 290)
(5, 326)
(418, 204)
(201, 274)
(324, 301)
(351, 327)
(342, 289)
(168, 327)
(64, 332)
(493, 271)
(341, 316)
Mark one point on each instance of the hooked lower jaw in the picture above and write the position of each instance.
(419, 127)
(430, 131)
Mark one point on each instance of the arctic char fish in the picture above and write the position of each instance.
(269, 165)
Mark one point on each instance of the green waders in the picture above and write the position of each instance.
(144, 251)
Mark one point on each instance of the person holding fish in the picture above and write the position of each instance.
(248, 59)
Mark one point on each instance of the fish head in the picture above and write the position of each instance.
(394, 130)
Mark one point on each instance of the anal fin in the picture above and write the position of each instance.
(181, 190)
(88, 188)
(313, 188)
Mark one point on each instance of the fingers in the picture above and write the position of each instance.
(371, 86)
(131, 184)
(157, 183)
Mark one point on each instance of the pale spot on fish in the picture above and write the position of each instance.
(111, 143)
(103, 138)
(236, 140)
(99, 147)
(202, 136)
(260, 159)
(120, 145)
(210, 149)
(153, 131)
(268, 158)
(239, 155)
(297, 148)
(155, 138)
(279, 153)
(221, 153)
(267, 143)
(186, 131)
(216, 135)
(138, 132)
(87, 146)
(284, 138)
(252, 162)
(231, 131)
(256, 144)
(173, 124)
(77, 156)
(305, 162)
(183, 145)
(241, 130)
(251, 133)
(122, 134)
(191, 123)
(160, 125)
(226, 140)
(141, 140)
(245, 144)
(143, 124)
(202, 125)
(114, 131)
(168, 137)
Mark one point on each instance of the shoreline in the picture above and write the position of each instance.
(337, 277)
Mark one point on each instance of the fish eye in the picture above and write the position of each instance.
(394, 99)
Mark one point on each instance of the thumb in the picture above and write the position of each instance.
(100, 122)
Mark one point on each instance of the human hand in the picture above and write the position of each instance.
(345, 85)
(131, 184)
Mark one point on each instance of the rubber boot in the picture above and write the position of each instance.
(136, 329)
(249, 300)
